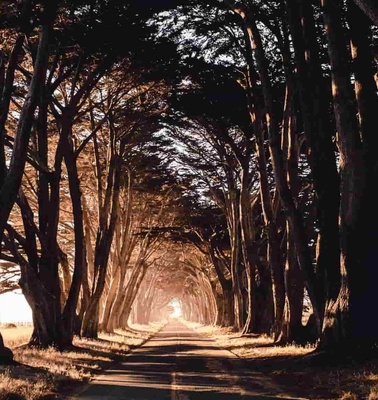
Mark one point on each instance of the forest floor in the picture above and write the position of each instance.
(301, 370)
(48, 374)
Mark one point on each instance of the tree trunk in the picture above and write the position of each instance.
(45, 305)
(46, 302)
(113, 321)
(292, 329)
(107, 224)
(263, 300)
(314, 101)
(7, 76)
(219, 320)
(12, 181)
(228, 301)
(235, 265)
(69, 311)
(6, 355)
(132, 292)
(293, 215)
(274, 259)
(369, 8)
(348, 325)
(110, 302)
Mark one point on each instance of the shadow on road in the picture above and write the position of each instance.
(178, 364)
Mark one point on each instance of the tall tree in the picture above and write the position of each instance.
(348, 324)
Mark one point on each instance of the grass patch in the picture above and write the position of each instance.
(15, 336)
(42, 386)
(301, 371)
(50, 374)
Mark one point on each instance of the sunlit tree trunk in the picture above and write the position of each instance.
(293, 215)
(48, 329)
(274, 259)
(7, 76)
(276, 266)
(291, 330)
(108, 217)
(235, 262)
(125, 242)
(133, 286)
(110, 299)
(348, 325)
(314, 101)
(208, 305)
(227, 309)
(88, 268)
(146, 297)
(260, 308)
(112, 321)
(69, 311)
(10, 180)
(148, 244)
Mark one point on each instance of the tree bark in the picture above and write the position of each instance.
(107, 225)
(294, 217)
(227, 316)
(369, 8)
(314, 101)
(273, 249)
(348, 325)
(7, 79)
(132, 291)
(106, 325)
(12, 181)
(69, 311)
(6, 354)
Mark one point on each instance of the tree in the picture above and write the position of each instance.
(369, 8)
(10, 178)
(348, 323)
(67, 77)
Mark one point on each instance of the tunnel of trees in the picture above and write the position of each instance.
(218, 154)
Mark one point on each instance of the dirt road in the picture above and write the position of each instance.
(179, 364)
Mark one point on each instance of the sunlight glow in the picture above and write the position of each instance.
(14, 308)
(176, 309)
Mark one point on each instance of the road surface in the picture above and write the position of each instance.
(180, 364)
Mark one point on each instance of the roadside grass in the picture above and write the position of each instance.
(50, 374)
(301, 371)
(14, 335)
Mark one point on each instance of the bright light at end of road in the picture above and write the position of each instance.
(176, 309)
